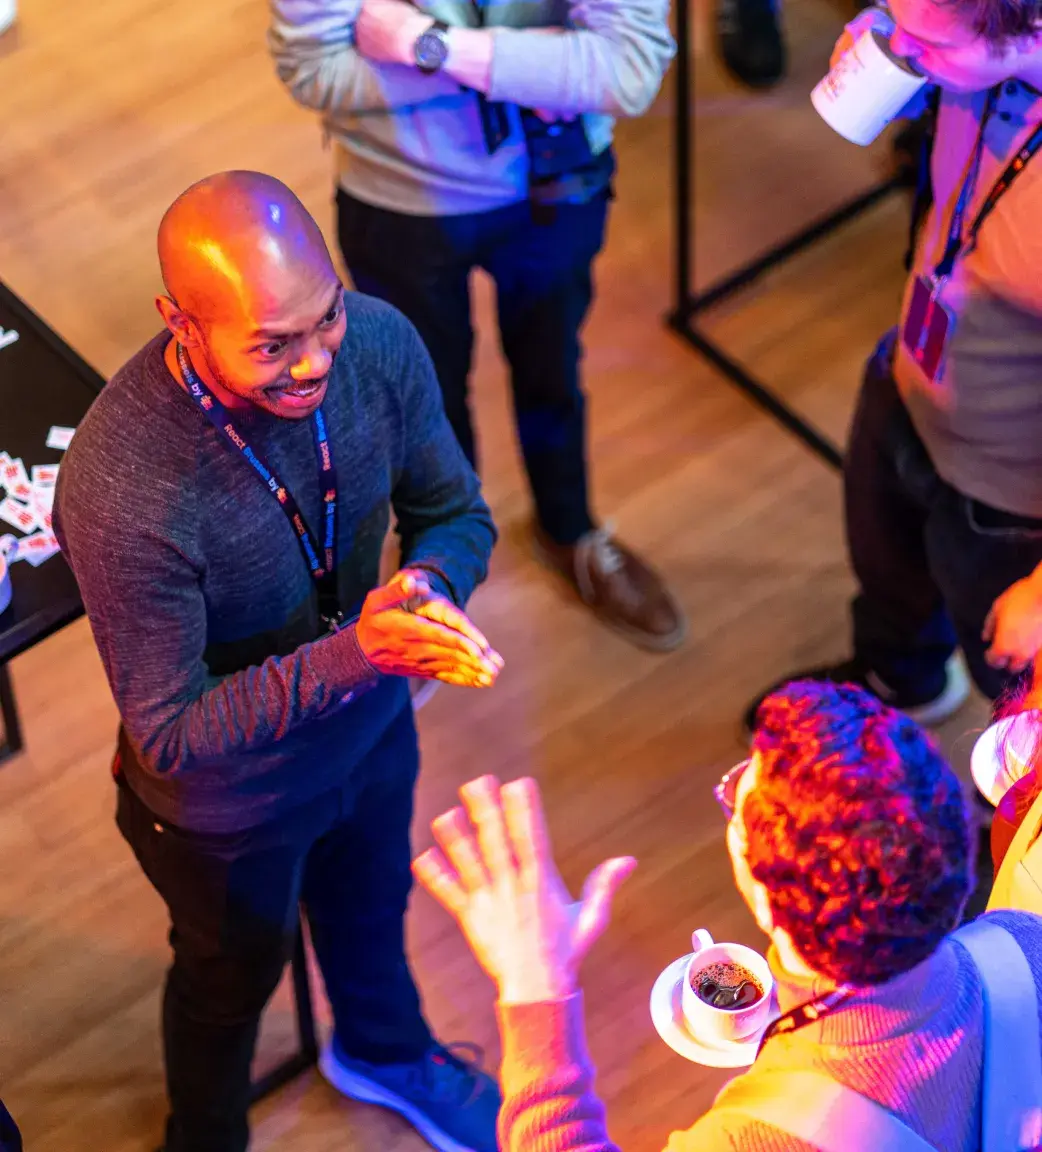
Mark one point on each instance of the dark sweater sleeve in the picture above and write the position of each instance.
(145, 604)
(444, 524)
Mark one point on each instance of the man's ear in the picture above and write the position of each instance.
(182, 327)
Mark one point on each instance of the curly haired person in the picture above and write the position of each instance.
(850, 843)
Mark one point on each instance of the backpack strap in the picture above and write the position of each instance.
(814, 1108)
(1012, 1075)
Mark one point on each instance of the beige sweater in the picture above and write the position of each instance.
(913, 1045)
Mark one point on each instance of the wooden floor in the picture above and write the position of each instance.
(108, 110)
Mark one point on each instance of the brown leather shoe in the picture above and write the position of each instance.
(621, 589)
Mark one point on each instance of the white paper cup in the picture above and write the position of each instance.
(718, 1025)
(1005, 753)
(8, 12)
(866, 89)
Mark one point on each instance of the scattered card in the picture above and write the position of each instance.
(60, 437)
(43, 494)
(42, 504)
(44, 475)
(37, 548)
(15, 479)
(18, 515)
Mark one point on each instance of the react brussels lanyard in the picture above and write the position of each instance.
(323, 569)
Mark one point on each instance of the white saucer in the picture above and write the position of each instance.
(670, 1024)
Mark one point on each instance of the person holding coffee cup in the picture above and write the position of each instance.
(850, 843)
(943, 471)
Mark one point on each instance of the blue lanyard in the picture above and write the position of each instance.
(321, 566)
(956, 242)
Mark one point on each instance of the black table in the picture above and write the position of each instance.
(43, 383)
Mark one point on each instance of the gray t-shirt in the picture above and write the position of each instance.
(981, 421)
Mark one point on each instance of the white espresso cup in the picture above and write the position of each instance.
(719, 1025)
(868, 86)
(1005, 752)
(8, 12)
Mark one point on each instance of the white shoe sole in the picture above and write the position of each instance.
(956, 693)
(358, 1087)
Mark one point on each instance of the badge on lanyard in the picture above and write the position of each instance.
(928, 326)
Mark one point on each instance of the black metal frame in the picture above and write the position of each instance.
(306, 1057)
(12, 738)
(690, 304)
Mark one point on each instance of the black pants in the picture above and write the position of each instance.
(930, 561)
(233, 904)
(542, 273)
(10, 1137)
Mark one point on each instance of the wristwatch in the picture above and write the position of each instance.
(431, 48)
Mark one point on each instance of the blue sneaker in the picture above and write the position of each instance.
(447, 1098)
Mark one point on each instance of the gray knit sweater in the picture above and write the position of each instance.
(235, 703)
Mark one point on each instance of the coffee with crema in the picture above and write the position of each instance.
(726, 984)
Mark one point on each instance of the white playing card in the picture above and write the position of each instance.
(42, 504)
(37, 548)
(60, 437)
(18, 515)
(15, 479)
(44, 475)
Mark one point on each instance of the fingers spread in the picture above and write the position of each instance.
(598, 893)
(481, 798)
(526, 823)
(456, 839)
(439, 878)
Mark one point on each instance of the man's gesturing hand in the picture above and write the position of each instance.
(407, 630)
(493, 870)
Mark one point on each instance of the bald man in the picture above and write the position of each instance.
(223, 506)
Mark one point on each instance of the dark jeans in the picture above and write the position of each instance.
(10, 1137)
(542, 273)
(930, 561)
(233, 904)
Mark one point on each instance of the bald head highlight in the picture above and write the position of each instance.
(232, 238)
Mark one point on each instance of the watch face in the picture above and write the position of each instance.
(431, 50)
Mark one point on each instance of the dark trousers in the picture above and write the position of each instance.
(233, 904)
(929, 560)
(10, 1137)
(542, 274)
